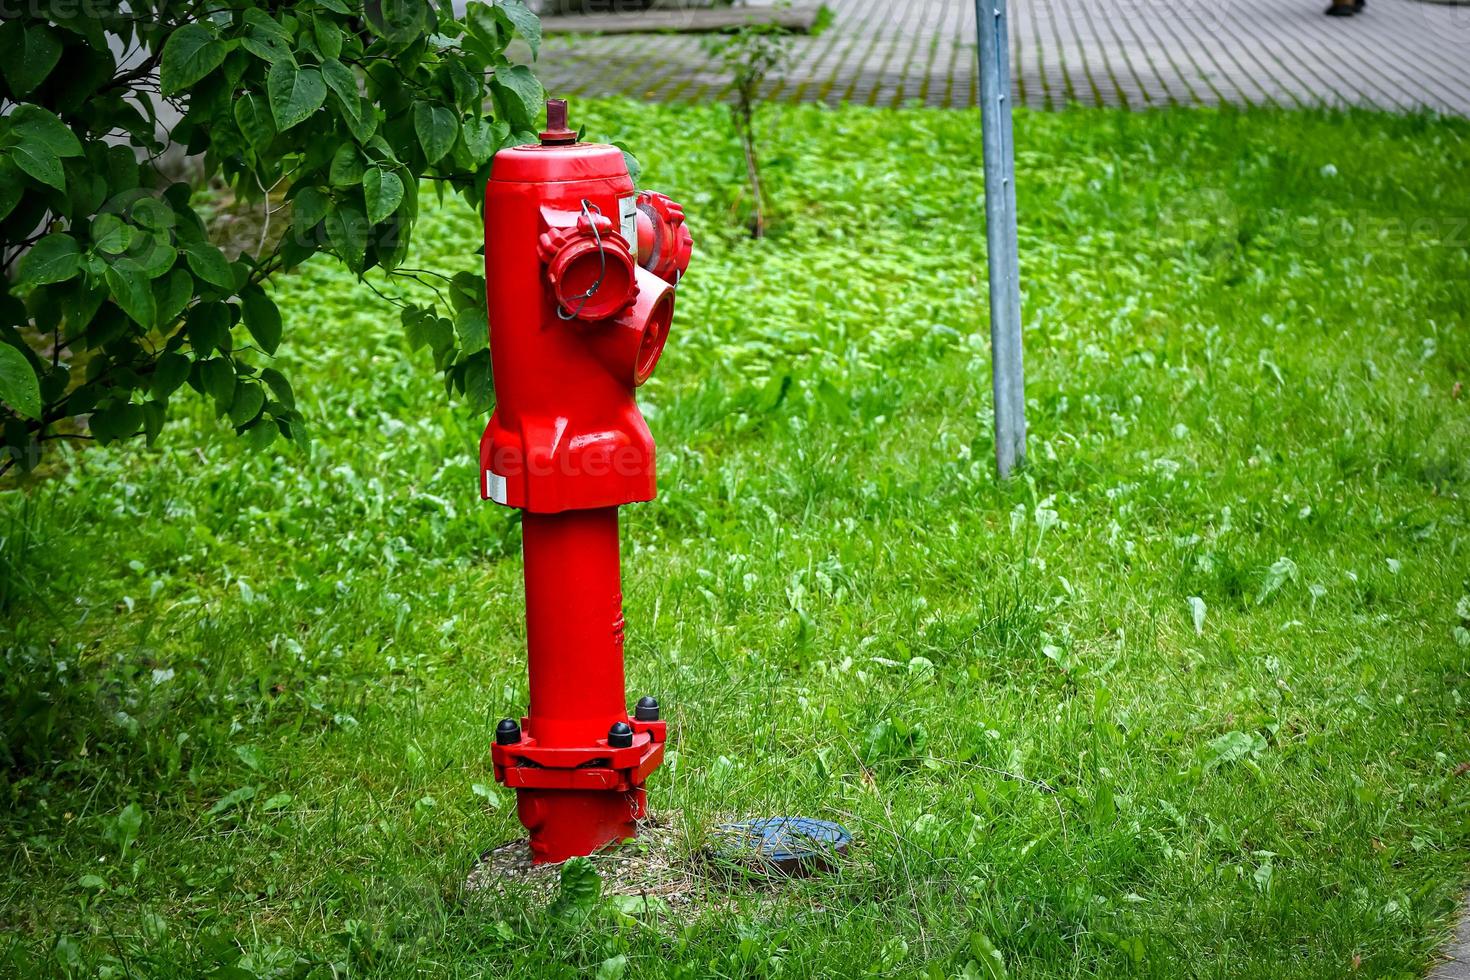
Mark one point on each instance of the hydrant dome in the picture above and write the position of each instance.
(552, 164)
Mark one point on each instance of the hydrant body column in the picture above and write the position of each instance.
(579, 312)
(574, 625)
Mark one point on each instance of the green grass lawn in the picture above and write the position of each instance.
(1186, 698)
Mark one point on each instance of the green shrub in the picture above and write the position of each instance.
(323, 115)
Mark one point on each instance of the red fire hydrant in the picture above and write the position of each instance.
(580, 270)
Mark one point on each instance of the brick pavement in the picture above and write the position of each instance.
(1398, 55)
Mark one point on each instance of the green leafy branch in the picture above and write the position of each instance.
(332, 113)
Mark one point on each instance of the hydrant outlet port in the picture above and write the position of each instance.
(629, 347)
(592, 278)
(664, 245)
(655, 335)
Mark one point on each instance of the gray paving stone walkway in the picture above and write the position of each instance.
(1456, 964)
(1398, 55)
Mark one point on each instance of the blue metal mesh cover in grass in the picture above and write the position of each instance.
(791, 844)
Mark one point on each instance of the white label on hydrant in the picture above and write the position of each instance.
(495, 486)
(628, 221)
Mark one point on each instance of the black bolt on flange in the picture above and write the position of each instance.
(620, 735)
(647, 709)
(507, 732)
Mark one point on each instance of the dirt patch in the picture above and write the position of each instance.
(666, 869)
(657, 864)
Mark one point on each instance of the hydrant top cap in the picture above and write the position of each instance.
(556, 132)
(577, 161)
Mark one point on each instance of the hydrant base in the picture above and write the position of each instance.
(572, 823)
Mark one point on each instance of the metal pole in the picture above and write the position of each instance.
(1007, 375)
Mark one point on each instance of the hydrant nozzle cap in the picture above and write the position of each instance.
(507, 732)
(620, 735)
(557, 133)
